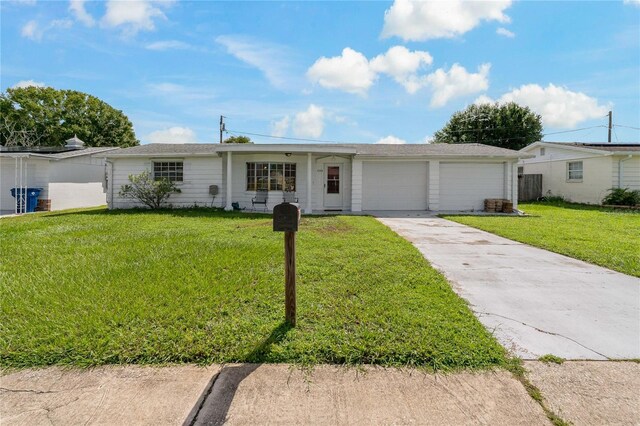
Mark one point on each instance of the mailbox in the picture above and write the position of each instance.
(286, 217)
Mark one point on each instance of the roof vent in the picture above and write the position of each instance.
(74, 143)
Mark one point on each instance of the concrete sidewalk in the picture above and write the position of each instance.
(589, 393)
(251, 394)
(535, 302)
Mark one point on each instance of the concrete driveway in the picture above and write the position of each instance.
(535, 302)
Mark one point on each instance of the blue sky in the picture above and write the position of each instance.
(339, 71)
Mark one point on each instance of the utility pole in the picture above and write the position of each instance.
(610, 120)
(222, 127)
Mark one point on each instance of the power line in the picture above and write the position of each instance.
(234, 132)
(627, 127)
(575, 130)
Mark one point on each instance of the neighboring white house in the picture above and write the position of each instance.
(583, 172)
(69, 176)
(325, 177)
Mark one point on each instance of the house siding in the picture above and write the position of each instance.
(199, 173)
(630, 172)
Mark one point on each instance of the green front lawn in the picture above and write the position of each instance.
(96, 287)
(602, 236)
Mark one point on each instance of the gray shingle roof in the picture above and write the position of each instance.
(379, 150)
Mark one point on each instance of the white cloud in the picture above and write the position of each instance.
(349, 72)
(392, 140)
(456, 82)
(28, 83)
(403, 65)
(505, 32)
(419, 21)
(267, 57)
(133, 15)
(309, 123)
(81, 14)
(558, 106)
(30, 30)
(352, 72)
(279, 128)
(632, 2)
(168, 45)
(173, 135)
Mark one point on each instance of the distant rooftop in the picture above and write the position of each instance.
(613, 147)
(53, 152)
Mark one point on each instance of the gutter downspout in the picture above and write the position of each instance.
(621, 170)
(110, 184)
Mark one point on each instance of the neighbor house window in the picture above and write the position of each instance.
(542, 152)
(271, 176)
(574, 170)
(172, 170)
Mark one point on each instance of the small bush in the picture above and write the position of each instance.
(550, 198)
(622, 197)
(152, 193)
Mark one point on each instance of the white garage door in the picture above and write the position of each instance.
(394, 185)
(464, 186)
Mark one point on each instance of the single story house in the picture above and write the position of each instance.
(69, 176)
(583, 172)
(324, 177)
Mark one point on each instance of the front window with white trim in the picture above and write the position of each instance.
(574, 171)
(172, 170)
(271, 176)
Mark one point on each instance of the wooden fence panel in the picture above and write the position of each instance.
(529, 187)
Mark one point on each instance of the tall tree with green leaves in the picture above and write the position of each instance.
(57, 115)
(238, 139)
(507, 125)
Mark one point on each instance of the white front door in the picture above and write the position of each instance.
(332, 187)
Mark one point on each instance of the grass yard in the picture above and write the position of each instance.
(96, 287)
(601, 236)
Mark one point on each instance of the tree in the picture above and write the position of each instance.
(152, 193)
(57, 115)
(238, 139)
(506, 125)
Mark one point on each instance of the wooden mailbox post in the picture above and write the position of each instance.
(286, 217)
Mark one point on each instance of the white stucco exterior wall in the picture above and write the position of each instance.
(77, 182)
(598, 174)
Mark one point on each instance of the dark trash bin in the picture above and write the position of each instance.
(30, 195)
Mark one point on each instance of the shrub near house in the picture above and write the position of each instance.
(150, 192)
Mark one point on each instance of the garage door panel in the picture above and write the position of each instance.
(394, 185)
(464, 186)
